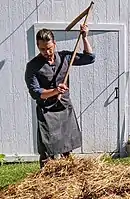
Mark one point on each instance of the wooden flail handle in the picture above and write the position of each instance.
(77, 19)
(76, 46)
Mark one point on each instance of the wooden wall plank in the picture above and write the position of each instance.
(18, 63)
(99, 11)
(113, 10)
(72, 10)
(45, 10)
(112, 82)
(59, 12)
(30, 15)
(7, 130)
(100, 92)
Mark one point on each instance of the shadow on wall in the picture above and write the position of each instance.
(31, 43)
(2, 64)
(31, 54)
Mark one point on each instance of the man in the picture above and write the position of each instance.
(58, 131)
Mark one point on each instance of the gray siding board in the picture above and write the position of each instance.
(106, 11)
(45, 10)
(99, 120)
(4, 20)
(75, 82)
(87, 108)
(18, 57)
(113, 11)
(72, 9)
(99, 12)
(8, 125)
(82, 6)
(75, 93)
(112, 82)
(15, 113)
(18, 64)
(100, 93)
(30, 15)
(6, 108)
(59, 11)
(124, 10)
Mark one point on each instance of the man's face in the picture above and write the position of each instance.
(47, 49)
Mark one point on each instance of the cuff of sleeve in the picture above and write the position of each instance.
(40, 91)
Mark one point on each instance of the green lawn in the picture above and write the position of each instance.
(108, 159)
(12, 173)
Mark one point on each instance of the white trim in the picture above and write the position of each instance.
(123, 85)
(33, 157)
(63, 25)
(22, 158)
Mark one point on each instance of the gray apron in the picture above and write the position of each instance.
(58, 130)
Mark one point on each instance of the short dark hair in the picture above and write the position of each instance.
(45, 35)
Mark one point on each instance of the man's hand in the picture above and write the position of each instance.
(61, 88)
(84, 30)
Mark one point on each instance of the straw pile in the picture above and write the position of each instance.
(75, 178)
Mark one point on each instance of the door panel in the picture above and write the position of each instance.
(98, 106)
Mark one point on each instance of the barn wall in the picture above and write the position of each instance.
(17, 135)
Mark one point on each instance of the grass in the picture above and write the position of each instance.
(12, 173)
(110, 160)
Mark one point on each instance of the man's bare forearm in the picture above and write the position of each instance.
(87, 46)
(84, 31)
(49, 93)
